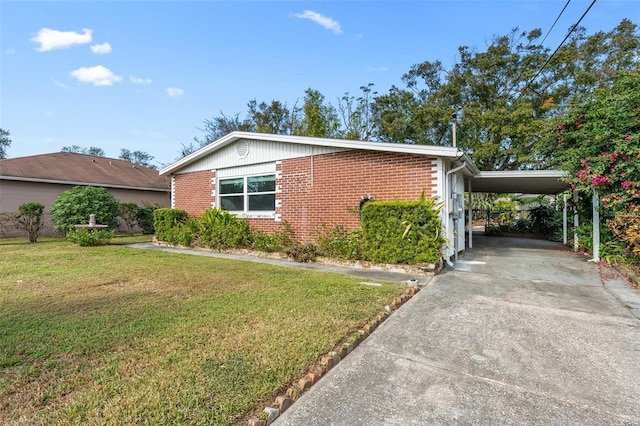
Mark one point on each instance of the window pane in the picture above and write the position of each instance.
(261, 183)
(231, 186)
(232, 203)
(265, 202)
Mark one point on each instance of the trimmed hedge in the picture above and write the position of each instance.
(402, 232)
(165, 222)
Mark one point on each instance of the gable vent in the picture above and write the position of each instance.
(242, 149)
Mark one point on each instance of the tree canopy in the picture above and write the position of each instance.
(504, 97)
(5, 142)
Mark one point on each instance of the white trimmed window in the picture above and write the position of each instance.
(248, 194)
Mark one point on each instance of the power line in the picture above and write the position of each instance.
(556, 21)
(556, 51)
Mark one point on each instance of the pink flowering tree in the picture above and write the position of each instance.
(598, 142)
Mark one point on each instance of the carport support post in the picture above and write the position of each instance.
(470, 220)
(576, 221)
(564, 218)
(596, 226)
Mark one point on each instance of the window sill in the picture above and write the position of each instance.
(265, 215)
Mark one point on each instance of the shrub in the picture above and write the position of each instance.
(220, 229)
(165, 220)
(144, 219)
(30, 219)
(277, 241)
(626, 228)
(303, 253)
(339, 243)
(73, 207)
(402, 231)
(128, 212)
(89, 237)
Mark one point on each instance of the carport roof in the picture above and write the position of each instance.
(520, 181)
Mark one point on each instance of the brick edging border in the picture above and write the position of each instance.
(326, 363)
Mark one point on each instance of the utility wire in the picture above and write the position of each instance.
(556, 21)
(542, 44)
(556, 51)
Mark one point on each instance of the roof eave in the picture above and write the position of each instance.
(436, 151)
(97, 184)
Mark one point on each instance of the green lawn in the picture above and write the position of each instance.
(114, 335)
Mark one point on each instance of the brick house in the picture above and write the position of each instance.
(311, 182)
(41, 178)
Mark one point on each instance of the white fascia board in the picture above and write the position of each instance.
(522, 174)
(436, 151)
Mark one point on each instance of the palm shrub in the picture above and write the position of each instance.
(220, 229)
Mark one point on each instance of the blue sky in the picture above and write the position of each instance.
(143, 75)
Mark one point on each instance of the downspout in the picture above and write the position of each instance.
(448, 212)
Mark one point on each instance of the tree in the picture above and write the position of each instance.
(272, 118)
(5, 143)
(504, 95)
(73, 207)
(76, 149)
(318, 119)
(137, 157)
(357, 114)
(30, 219)
(220, 126)
(597, 141)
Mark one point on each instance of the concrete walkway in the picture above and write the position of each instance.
(519, 332)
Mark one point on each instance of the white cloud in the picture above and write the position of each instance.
(325, 21)
(174, 92)
(52, 39)
(101, 49)
(139, 80)
(98, 76)
(10, 51)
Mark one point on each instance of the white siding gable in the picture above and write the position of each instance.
(246, 152)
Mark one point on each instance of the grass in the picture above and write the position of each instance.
(115, 335)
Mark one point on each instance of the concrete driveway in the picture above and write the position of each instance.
(519, 332)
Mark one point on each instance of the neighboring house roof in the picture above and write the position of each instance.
(80, 169)
(430, 150)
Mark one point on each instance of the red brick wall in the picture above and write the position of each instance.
(193, 192)
(330, 193)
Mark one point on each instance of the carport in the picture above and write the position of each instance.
(547, 182)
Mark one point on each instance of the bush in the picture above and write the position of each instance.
(128, 212)
(339, 243)
(89, 237)
(30, 219)
(406, 232)
(626, 229)
(73, 207)
(220, 229)
(303, 253)
(278, 241)
(144, 218)
(164, 222)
